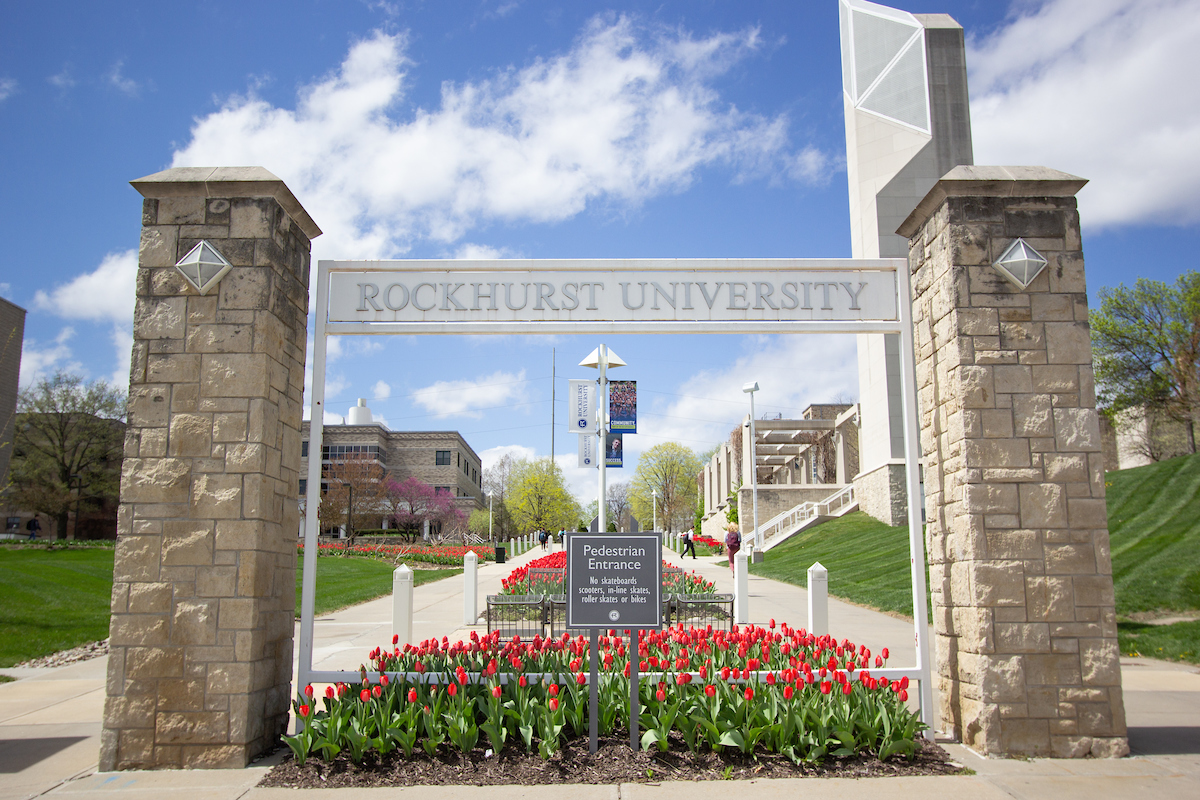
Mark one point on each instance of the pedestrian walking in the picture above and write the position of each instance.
(733, 543)
(33, 526)
(688, 544)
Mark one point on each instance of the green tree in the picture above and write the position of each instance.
(537, 497)
(1146, 346)
(496, 481)
(67, 447)
(670, 469)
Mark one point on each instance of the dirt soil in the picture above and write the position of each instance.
(613, 763)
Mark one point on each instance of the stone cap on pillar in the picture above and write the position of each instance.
(226, 182)
(971, 181)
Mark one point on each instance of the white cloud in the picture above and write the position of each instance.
(481, 252)
(5, 289)
(792, 371)
(8, 86)
(625, 114)
(489, 457)
(62, 80)
(1103, 89)
(104, 295)
(122, 84)
(41, 362)
(381, 390)
(468, 398)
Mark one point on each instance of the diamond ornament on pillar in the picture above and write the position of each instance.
(1020, 264)
(203, 267)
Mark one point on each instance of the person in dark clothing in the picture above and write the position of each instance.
(688, 544)
(33, 526)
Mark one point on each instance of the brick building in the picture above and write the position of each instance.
(442, 459)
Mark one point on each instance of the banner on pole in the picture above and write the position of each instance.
(622, 406)
(614, 450)
(581, 401)
(587, 451)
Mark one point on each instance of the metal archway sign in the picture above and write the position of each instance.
(626, 296)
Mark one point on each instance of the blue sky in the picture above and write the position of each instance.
(552, 129)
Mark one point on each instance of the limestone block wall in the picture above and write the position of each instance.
(199, 668)
(1020, 573)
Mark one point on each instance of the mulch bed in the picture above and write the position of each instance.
(612, 763)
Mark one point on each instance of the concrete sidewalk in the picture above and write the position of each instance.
(50, 720)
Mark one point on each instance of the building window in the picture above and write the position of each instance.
(303, 485)
(441, 490)
(304, 449)
(443, 458)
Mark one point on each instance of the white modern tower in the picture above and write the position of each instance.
(904, 81)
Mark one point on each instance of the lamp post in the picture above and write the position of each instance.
(654, 495)
(602, 358)
(750, 389)
(490, 537)
(76, 483)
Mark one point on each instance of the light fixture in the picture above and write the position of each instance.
(203, 267)
(1020, 264)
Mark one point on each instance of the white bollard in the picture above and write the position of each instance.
(741, 595)
(470, 588)
(818, 599)
(402, 604)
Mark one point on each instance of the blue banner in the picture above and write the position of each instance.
(622, 406)
(614, 451)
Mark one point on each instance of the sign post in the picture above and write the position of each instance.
(614, 581)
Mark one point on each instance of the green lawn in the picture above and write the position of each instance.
(52, 600)
(1154, 527)
(345, 582)
(867, 561)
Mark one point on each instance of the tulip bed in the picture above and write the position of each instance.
(442, 555)
(752, 690)
(522, 582)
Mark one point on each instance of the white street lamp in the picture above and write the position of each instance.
(750, 389)
(654, 494)
(603, 359)
(490, 537)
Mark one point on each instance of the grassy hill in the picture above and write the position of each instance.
(1154, 529)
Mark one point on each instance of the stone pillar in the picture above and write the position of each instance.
(1020, 574)
(200, 658)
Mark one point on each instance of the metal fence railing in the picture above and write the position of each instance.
(526, 616)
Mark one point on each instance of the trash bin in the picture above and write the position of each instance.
(500, 554)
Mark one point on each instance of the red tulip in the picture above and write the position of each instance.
(770, 678)
(749, 693)
(710, 690)
(788, 691)
(308, 691)
(522, 682)
(496, 692)
(554, 704)
(384, 680)
(304, 709)
(365, 695)
(847, 687)
(660, 695)
(376, 691)
(771, 623)
(884, 653)
(826, 687)
(395, 638)
(580, 678)
(412, 695)
(904, 682)
(330, 692)
(553, 690)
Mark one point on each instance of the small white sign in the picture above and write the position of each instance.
(588, 456)
(582, 400)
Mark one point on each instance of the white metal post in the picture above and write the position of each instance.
(654, 494)
(470, 588)
(818, 599)
(602, 410)
(753, 473)
(308, 581)
(741, 580)
(402, 604)
(490, 539)
(912, 461)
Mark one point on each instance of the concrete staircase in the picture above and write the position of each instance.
(783, 526)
